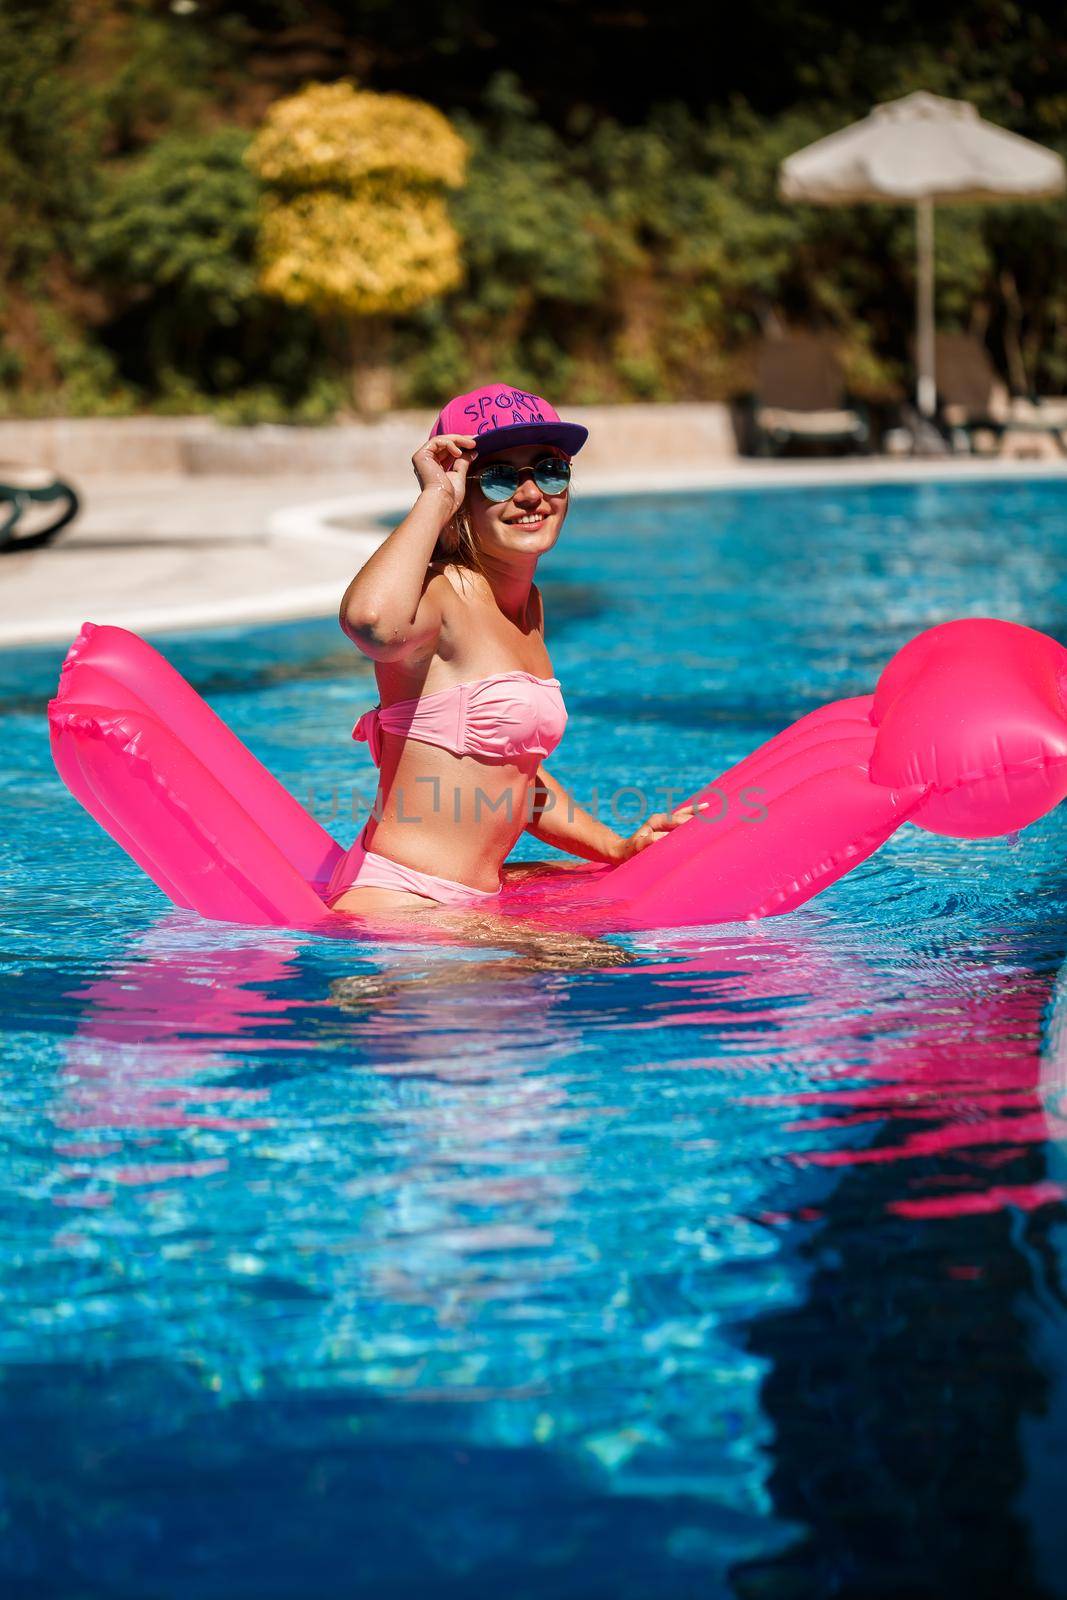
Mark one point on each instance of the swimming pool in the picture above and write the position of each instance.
(724, 1262)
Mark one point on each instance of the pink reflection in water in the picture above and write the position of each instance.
(155, 1037)
(947, 1054)
(1023, 1197)
(888, 1060)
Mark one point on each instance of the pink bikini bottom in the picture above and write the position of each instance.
(362, 868)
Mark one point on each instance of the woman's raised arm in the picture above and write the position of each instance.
(388, 610)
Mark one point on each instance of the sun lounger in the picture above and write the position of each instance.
(974, 399)
(801, 398)
(1045, 414)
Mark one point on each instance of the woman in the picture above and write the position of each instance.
(448, 611)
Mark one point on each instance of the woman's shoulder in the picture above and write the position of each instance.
(452, 578)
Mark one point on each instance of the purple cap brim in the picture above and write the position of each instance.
(569, 436)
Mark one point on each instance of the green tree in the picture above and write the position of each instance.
(174, 240)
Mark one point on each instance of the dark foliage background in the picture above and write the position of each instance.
(621, 231)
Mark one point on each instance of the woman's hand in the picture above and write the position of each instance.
(657, 826)
(442, 463)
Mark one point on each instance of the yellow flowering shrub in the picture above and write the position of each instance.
(332, 135)
(355, 222)
(358, 255)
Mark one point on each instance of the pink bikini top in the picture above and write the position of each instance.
(502, 718)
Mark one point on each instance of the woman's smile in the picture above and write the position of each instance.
(529, 519)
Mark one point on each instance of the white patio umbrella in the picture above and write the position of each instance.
(922, 150)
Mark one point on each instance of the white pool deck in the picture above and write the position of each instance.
(172, 552)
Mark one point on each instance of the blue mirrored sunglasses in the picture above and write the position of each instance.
(499, 480)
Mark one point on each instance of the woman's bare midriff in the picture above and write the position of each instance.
(451, 816)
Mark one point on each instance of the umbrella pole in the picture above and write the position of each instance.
(926, 391)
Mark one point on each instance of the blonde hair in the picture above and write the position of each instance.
(456, 543)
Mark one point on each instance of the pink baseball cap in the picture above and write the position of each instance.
(500, 416)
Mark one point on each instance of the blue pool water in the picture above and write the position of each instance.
(728, 1262)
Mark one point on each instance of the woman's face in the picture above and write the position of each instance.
(528, 523)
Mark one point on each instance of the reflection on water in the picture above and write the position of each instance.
(721, 1260)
